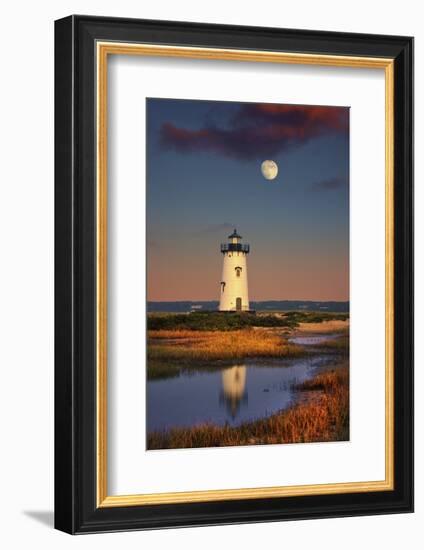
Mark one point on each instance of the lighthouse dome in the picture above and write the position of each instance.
(235, 245)
(235, 235)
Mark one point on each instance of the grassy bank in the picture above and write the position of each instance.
(339, 344)
(321, 415)
(188, 346)
(340, 326)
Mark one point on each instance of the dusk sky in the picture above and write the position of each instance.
(204, 179)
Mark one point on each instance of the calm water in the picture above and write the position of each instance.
(313, 340)
(231, 395)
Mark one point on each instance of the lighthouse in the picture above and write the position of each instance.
(234, 294)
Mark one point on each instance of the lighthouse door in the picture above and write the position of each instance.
(238, 304)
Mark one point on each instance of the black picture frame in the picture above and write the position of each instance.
(76, 508)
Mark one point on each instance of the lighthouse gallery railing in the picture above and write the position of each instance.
(235, 247)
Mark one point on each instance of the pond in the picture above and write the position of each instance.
(230, 395)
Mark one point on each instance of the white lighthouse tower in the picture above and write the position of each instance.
(234, 295)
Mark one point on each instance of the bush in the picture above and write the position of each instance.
(214, 320)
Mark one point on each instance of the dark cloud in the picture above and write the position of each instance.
(329, 184)
(258, 130)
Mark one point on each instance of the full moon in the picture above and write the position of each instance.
(269, 169)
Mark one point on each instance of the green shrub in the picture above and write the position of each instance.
(214, 320)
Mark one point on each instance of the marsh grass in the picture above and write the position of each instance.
(188, 346)
(324, 416)
(339, 345)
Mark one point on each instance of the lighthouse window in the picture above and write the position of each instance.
(238, 271)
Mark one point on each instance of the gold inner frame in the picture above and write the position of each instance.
(103, 50)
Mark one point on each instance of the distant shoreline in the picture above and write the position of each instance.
(266, 305)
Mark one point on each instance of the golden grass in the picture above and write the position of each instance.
(332, 381)
(180, 334)
(188, 345)
(323, 416)
(326, 326)
(339, 344)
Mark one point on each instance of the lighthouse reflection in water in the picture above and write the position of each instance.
(233, 394)
(229, 395)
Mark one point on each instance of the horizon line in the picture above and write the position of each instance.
(266, 300)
